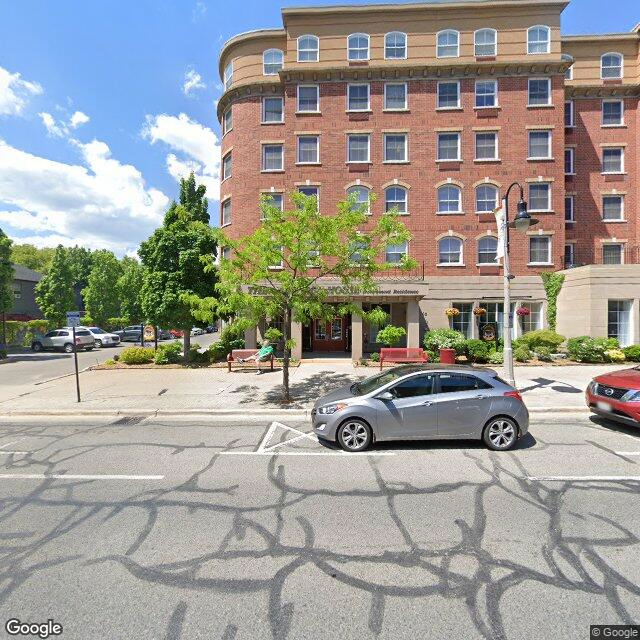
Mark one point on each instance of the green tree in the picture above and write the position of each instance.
(100, 296)
(178, 262)
(391, 335)
(129, 286)
(6, 276)
(275, 272)
(54, 293)
(80, 263)
(26, 255)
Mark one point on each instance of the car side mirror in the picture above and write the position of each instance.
(385, 396)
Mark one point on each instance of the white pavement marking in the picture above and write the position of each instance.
(10, 453)
(65, 476)
(627, 453)
(584, 478)
(6, 444)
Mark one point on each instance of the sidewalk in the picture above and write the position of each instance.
(217, 392)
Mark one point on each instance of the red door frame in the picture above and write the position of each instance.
(328, 344)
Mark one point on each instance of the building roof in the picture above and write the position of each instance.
(22, 273)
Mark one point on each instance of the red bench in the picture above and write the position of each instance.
(240, 354)
(407, 354)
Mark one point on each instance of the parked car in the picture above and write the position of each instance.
(423, 402)
(212, 328)
(176, 333)
(130, 334)
(62, 340)
(103, 338)
(616, 396)
(164, 334)
(197, 331)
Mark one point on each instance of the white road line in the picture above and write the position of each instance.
(6, 444)
(10, 453)
(627, 453)
(584, 478)
(69, 476)
(305, 453)
(267, 436)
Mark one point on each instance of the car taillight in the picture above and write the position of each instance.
(513, 394)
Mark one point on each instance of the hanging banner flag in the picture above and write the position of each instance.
(499, 213)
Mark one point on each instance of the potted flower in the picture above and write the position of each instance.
(523, 311)
(479, 312)
(451, 312)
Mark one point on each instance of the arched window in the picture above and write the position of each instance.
(486, 198)
(485, 42)
(538, 39)
(358, 46)
(450, 250)
(611, 66)
(448, 44)
(395, 197)
(362, 197)
(449, 199)
(308, 48)
(487, 250)
(395, 45)
(272, 62)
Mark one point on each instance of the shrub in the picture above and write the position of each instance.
(391, 335)
(586, 349)
(168, 353)
(496, 357)
(632, 353)
(137, 355)
(444, 339)
(109, 363)
(363, 362)
(542, 338)
(220, 349)
(522, 354)
(477, 350)
(544, 354)
(273, 335)
(3, 354)
(195, 357)
(375, 357)
(615, 355)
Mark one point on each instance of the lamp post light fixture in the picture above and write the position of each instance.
(521, 223)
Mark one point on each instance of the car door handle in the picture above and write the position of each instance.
(481, 397)
(427, 403)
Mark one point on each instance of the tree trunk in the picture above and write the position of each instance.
(285, 360)
(186, 341)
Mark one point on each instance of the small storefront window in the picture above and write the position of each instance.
(495, 315)
(619, 321)
(321, 330)
(336, 329)
(462, 322)
(533, 321)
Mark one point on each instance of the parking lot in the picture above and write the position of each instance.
(197, 527)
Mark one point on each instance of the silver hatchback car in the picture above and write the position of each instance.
(423, 402)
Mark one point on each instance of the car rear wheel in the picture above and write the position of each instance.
(98, 344)
(354, 435)
(68, 348)
(500, 434)
(36, 346)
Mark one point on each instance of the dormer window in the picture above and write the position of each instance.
(308, 48)
(538, 40)
(358, 47)
(611, 66)
(272, 62)
(448, 44)
(395, 45)
(485, 42)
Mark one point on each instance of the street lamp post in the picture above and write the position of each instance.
(521, 223)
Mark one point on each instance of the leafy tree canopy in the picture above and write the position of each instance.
(101, 296)
(26, 255)
(54, 293)
(6, 272)
(129, 286)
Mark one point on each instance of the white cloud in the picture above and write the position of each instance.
(78, 119)
(198, 148)
(192, 82)
(14, 93)
(198, 11)
(100, 203)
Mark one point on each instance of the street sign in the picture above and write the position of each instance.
(73, 318)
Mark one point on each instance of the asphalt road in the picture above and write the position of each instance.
(28, 367)
(185, 529)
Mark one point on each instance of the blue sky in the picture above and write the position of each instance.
(104, 104)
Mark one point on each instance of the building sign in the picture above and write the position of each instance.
(149, 332)
(488, 332)
(73, 318)
(351, 290)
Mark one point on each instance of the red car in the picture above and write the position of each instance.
(176, 333)
(616, 396)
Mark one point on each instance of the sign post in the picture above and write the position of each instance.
(73, 321)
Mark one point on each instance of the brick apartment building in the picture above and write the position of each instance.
(437, 108)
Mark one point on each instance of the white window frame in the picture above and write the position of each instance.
(226, 253)
(317, 48)
(449, 133)
(265, 63)
(406, 45)
(614, 244)
(549, 134)
(225, 208)
(571, 210)
(317, 139)
(622, 207)
(569, 109)
(496, 199)
(549, 197)
(458, 102)
(495, 94)
(359, 135)
(622, 154)
(227, 156)
(350, 48)
(264, 110)
(455, 188)
(406, 96)
(531, 43)
(624, 321)
(602, 67)
(406, 147)
(549, 91)
(549, 259)
(485, 30)
(461, 260)
(568, 74)
(612, 100)
(361, 188)
(225, 127)
(535, 320)
(351, 85)
(404, 190)
(570, 153)
(404, 244)
(486, 238)
(227, 77)
(307, 86)
(272, 144)
(457, 45)
(272, 195)
(496, 155)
